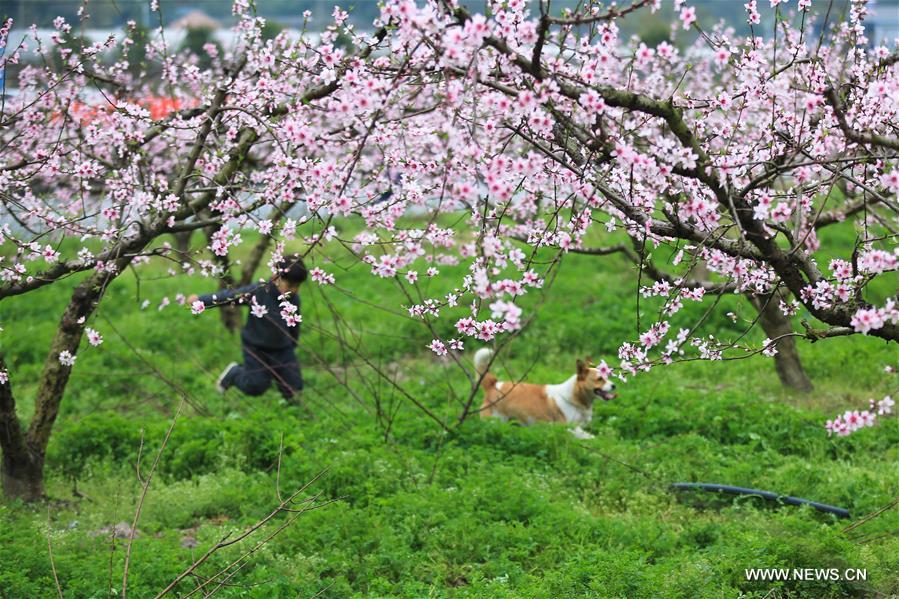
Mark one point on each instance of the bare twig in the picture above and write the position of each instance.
(143, 495)
(224, 542)
(50, 553)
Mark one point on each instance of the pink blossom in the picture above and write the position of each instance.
(486, 330)
(442, 116)
(93, 337)
(257, 309)
(321, 277)
(592, 102)
(666, 50)
(437, 347)
(877, 261)
(854, 420)
(693, 294)
(509, 313)
(752, 10)
(603, 371)
(649, 339)
(466, 326)
(867, 418)
(722, 56)
(688, 16)
(66, 358)
(198, 307)
(790, 309)
(866, 320)
(265, 227)
(723, 100)
(290, 313)
(836, 426)
(890, 180)
(781, 213)
(841, 269)
(339, 15)
(532, 279)
(49, 254)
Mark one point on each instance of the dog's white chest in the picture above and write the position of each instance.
(563, 395)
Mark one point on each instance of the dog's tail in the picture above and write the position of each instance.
(482, 359)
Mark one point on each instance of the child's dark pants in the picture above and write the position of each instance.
(261, 366)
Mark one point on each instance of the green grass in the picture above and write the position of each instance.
(493, 510)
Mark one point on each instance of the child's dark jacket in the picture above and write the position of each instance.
(270, 331)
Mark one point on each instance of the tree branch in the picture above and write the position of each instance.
(612, 14)
(830, 94)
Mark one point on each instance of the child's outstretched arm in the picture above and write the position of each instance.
(224, 297)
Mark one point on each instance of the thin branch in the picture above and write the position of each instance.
(224, 542)
(871, 516)
(50, 552)
(143, 495)
(830, 94)
(612, 14)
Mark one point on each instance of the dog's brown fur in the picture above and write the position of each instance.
(528, 403)
(524, 402)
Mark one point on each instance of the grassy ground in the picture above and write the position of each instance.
(492, 510)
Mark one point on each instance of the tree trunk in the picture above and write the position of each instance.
(182, 242)
(20, 471)
(229, 315)
(258, 252)
(24, 452)
(254, 260)
(786, 361)
(23, 476)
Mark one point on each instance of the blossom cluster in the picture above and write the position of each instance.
(855, 420)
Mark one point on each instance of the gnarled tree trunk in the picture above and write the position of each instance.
(24, 452)
(775, 324)
(22, 468)
(786, 361)
(23, 475)
(182, 242)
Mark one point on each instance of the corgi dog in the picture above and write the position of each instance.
(570, 402)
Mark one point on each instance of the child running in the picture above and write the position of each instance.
(269, 337)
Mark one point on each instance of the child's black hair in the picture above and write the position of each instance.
(291, 268)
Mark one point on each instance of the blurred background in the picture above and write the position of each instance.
(883, 24)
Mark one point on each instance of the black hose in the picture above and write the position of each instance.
(838, 511)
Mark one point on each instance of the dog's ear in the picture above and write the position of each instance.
(590, 362)
(582, 369)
